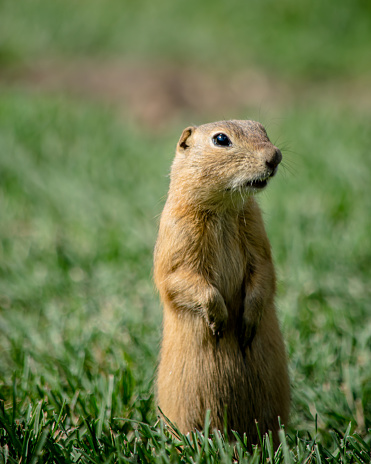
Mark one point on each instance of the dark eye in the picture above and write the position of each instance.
(222, 140)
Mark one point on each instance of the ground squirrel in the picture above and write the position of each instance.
(222, 347)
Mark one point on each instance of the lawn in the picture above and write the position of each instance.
(82, 182)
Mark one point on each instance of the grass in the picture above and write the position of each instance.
(80, 322)
(309, 39)
(81, 188)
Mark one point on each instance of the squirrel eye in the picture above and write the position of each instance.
(222, 140)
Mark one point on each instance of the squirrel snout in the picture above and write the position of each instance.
(274, 160)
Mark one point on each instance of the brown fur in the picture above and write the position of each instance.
(222, 347)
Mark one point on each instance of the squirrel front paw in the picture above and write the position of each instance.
(248, 328)
(217, 315)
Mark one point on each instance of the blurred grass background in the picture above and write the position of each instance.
(93, 97)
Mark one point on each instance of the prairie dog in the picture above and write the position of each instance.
(222, 347)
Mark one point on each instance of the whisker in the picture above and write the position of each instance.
(290, 167)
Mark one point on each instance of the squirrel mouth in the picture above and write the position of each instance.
(261, 182)
(257, 183)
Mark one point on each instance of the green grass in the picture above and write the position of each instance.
(312, 39)
(80, 321)
(81, 188)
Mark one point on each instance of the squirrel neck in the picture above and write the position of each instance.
(185, 205)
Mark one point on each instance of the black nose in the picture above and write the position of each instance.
(275, 159)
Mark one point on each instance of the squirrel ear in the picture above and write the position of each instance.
(184, 141)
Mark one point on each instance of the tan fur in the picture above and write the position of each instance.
(222, 347)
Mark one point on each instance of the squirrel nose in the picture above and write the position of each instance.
(275, 159)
